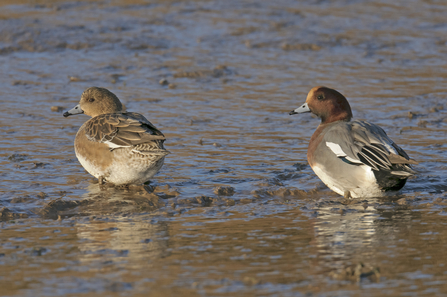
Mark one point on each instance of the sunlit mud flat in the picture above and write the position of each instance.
(236, 210)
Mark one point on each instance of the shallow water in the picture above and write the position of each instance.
(236, 68)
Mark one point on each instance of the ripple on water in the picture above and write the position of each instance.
(236, 209)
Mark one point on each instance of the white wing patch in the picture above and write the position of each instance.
(336, 149)
(114, 146)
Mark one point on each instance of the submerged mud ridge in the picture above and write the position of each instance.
(236, 210)
(133, 199)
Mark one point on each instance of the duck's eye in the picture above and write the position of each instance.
(91, 99)
(320, 97)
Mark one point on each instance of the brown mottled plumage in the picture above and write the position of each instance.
(116, 146)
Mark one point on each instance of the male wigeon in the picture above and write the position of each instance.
(114, 145)
(353, 158)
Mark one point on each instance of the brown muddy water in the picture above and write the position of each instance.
(236, 210)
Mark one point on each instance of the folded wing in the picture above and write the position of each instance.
(363, 143)
(125, 130)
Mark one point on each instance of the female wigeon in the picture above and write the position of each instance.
(114, 145)
(353, 158)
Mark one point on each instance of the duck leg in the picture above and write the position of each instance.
(347, 195)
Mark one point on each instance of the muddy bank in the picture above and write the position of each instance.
(236, 209)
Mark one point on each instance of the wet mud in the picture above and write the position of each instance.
(236, 210)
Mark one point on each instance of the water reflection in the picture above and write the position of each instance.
(136, 243)
(386, 236)
(237, 68)
(245, 248)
